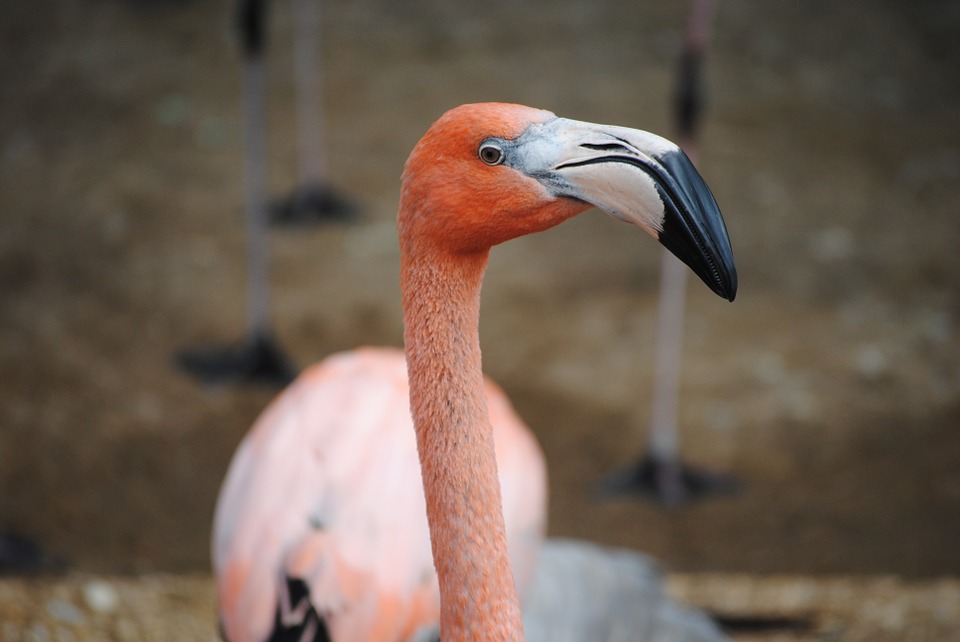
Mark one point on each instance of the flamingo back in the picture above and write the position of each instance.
(325, 489)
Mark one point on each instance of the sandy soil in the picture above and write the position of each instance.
(160, 607)
(831, 386)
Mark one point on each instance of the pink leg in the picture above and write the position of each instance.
(660, 473)
(256, 357)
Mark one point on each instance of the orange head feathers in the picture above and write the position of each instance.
(455, 200)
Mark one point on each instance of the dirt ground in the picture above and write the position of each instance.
(831, 387)
(159, 607)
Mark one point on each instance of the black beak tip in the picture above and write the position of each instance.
(714, 265)
(730, 292)
(693, 228)
(726, 270)
(720, 274)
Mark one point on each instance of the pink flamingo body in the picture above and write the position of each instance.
(482, 174)
(326, 488)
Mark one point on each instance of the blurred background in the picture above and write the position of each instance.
(831, 387)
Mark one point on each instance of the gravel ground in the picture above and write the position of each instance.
(164, 607)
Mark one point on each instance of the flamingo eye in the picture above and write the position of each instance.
(490, 153)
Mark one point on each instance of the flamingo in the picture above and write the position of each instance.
(659, 472)
(257, 357)
(337, 521)
(314, 200)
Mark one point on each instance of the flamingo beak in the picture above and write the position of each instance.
(636, 177)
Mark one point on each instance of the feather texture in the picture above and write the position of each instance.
(326, 489)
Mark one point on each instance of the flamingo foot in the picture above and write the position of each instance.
(669, 482)
(256, 359)
(19, 556)
(316, 203)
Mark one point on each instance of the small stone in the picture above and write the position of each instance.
(173, 110)
(871, 362)
(212, 133)
(936, 327)
(64, 611)
(65, 635)
(769, 368)
(833, 244)
(37, 633)
(149, 408)
(10, 631)
(125, 630)
(100, 596)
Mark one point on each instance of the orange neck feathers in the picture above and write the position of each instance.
(441, 311)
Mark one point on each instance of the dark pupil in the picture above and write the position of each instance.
(490, 154)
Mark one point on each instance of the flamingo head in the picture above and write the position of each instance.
(490, 172)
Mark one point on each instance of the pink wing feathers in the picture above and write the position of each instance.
(326, 489)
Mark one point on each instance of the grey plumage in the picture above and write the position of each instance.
(583, 592)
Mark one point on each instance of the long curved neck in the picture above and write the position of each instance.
(441, 306)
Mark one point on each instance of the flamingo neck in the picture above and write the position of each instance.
(441, 305)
